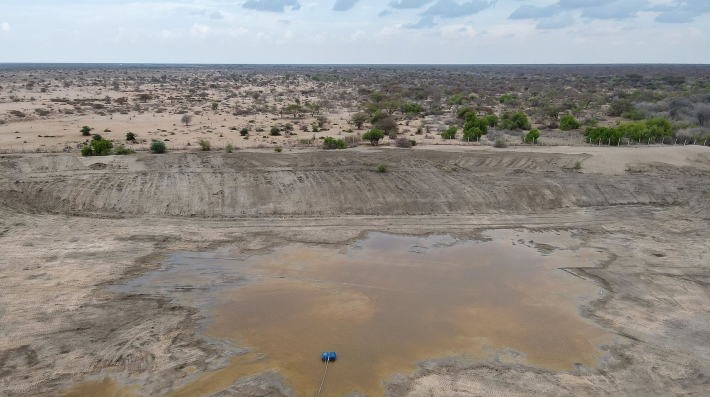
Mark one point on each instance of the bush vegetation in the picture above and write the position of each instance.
(97, 147)
(374, 136)
(121, 150)
(513, 121)
(568, 122)
(204, 144)
(450, 133)
(652, 129)
(532, 136)
(332, 143)
(157, 147)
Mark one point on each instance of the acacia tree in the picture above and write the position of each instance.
(359, 119)
(295, 110)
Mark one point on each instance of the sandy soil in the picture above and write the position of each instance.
(70, 227)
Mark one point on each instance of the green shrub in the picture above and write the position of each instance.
(633, 114)
(228, 148)
(204, 144)
(97, 147)
(472, 134)
(278, 149)
(619, 107)
(374, 136)
(244, 131)
(568, 122)
(603, 134)
(86, 130)
(450, 133)
(157, 147)
(517, 120)
(332, 143)
(578, 165)
(655, 128)
(121, 150)
(506, 97)
(381, 168)
(131, 137)
(532, 136)
(474, 127)
(275, 131)
(97, 137)
(491, 120)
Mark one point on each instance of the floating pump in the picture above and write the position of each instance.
(326, 358)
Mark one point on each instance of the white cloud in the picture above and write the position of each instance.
(198, 31)
(6, 27)
(357, 35)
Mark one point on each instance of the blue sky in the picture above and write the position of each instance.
(356, 31)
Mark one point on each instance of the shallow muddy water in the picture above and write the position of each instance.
(385, 303)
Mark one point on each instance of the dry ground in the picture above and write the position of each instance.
(69, 227)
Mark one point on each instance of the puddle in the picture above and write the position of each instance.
(385, 303)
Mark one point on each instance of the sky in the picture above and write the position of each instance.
(355, 31)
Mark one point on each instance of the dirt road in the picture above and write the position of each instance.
(70, 227)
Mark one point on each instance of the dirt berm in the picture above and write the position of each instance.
(70, 227)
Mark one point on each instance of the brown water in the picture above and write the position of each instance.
(385, 303)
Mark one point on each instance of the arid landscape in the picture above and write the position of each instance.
(516, 231)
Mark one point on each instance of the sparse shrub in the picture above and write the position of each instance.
(619, 107)
(634, 114)
(381, 168)
(121, 150)
(374, 136)
(332, 143)
(500, 143)
(568, 122)
(592, 123)
(388, 125)
(578, 165)
(186, 119)
(204, 144)
(228, 148)
(278, 149)
(403, 143)
(352, 140)
(157, 147)
(86, 130)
